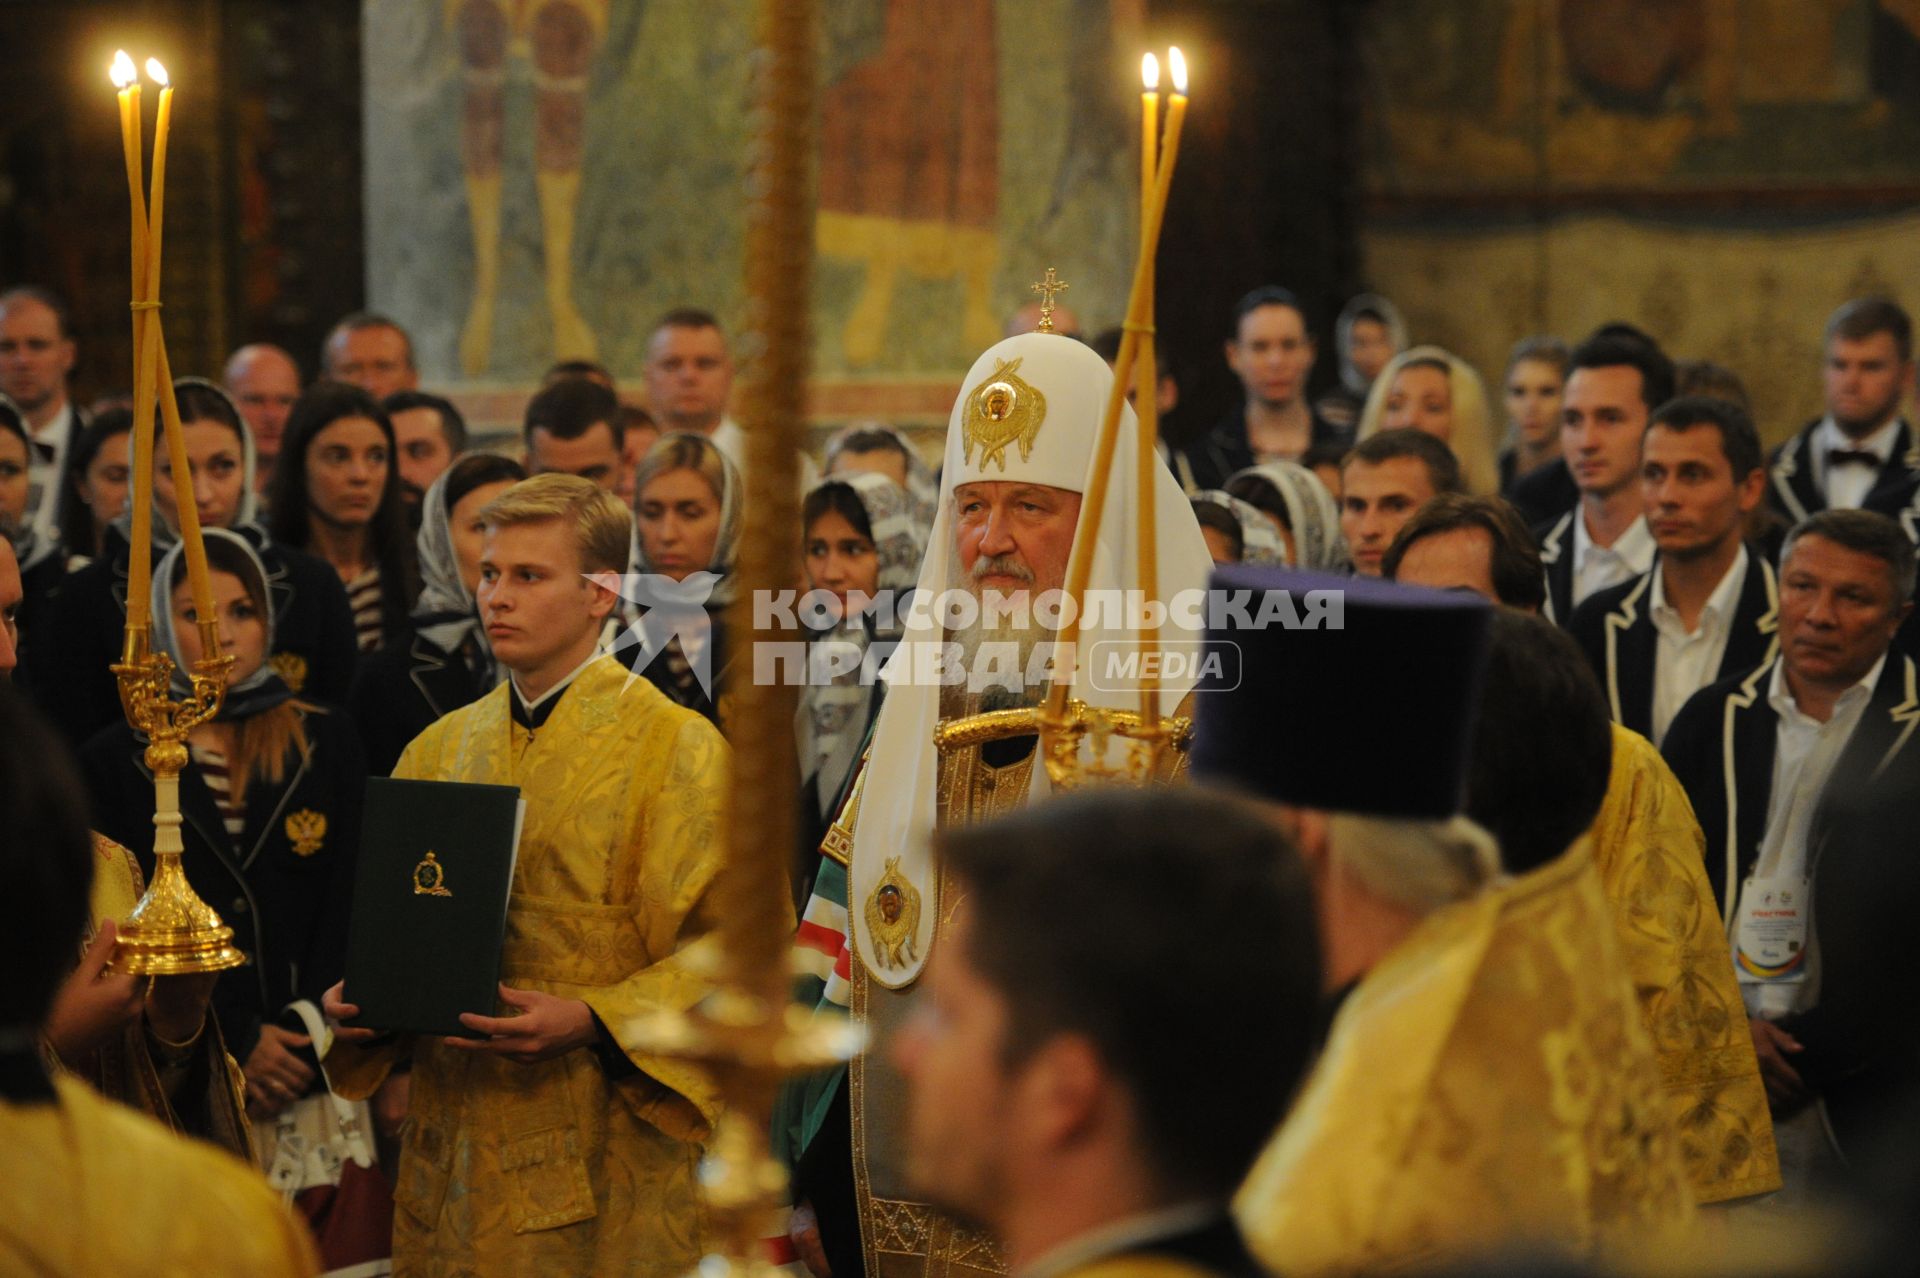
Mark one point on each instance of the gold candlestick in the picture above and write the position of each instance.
(171, 930)
(745, 1032)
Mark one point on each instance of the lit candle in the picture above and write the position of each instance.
(1146, 386)
(1139, 321)
(139, 567)
(160, 374)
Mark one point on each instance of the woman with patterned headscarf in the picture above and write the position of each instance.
(862, 546)
(1246, 534)
(404, 687)
(1300, 511)
(77, 637)
(271, 798)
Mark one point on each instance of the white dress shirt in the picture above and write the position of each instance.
(1846, 487)
(1595, 567)
(1685, 663)
(43, 477)
(1804, 753)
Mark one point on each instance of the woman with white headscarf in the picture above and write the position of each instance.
(404, 687)
(66, 662)
(686, 530)
(862, 546)
(1369, 332)
(1298, 509)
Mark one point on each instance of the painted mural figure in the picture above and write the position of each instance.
(560, 36)
(909, 166)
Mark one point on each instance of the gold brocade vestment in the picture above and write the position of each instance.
(1488, 1083)
(90, 1187)
(903, 1237)
(554, 1168)
(127, 1070)
(1651, 857)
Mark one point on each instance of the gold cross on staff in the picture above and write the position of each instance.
(1046, 288)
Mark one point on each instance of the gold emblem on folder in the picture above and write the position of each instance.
(307, 829)
(429, 879)
(893, 916)
(1005, 409)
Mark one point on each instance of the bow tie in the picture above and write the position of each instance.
(1852, 457)
(45, 454)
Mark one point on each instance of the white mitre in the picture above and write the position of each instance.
(1029, 412)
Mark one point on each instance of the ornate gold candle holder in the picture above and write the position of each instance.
(171, 931)
(1145, 742)
(748, 1044)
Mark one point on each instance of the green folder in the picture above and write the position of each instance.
(430, 903)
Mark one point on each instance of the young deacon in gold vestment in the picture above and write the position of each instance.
(551, 1146)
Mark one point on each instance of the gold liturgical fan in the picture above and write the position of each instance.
(171, 931)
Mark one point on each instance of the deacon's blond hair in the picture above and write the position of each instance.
(1418, 865)
(602, 527)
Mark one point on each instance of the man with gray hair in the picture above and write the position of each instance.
(1762, 752)
(1438, 1125)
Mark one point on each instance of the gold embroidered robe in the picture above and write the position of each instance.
(88, 1186)
(902, 1236)
(1651, 857)
(126, 1070)
(552, 1168)
(1488, 1082)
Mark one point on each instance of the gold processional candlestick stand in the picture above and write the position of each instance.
(746, 1032)
(171, 931)
(1067, 724)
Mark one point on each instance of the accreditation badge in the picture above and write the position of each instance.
(1770, 935)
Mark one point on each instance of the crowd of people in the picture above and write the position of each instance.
(1508, 880)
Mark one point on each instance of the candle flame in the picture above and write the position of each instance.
(1177, 67)
(122, 70)
(157, 73)
(1150, 73)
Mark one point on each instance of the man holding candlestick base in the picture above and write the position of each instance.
(1020, 467)
(550, 1144)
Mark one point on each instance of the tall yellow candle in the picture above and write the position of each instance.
(161, 374)
(139, 568)
(1146, 387)
(1139, 320)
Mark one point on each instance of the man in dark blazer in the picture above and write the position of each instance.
(1862, 453)
(1614, 382)
(1760, 753)
(1709, 607)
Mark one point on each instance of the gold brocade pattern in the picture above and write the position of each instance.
(90, 1187)
(903, 1238)
(517, 1169)
(1650, 854)
(125, 1069)
(1489, 1081)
